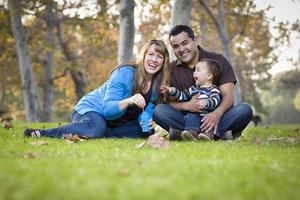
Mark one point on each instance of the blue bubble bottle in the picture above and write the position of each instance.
(145, 117)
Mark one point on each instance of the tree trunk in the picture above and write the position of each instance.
(78, 77)
(125, 49)
(50, 19)
(181, 15)
(222, 32)
(181, 12)
(203, 27)
(29, 88)
(2, 87)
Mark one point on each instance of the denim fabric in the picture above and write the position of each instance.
(93, 125)
(235, 119)
(192, 121)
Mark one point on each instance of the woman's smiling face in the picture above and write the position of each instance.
(153, 61)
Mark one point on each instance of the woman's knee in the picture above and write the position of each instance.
(96, 133)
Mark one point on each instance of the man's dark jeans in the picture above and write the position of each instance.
(235, 119)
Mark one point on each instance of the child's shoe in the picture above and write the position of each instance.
(206, 136)
(190, 135)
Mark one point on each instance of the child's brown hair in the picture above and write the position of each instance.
(215, 68)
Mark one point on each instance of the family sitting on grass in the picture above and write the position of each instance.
(191, 98)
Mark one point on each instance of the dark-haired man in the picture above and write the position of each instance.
(225, 118)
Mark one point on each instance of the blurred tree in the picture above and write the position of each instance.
(297, 101)
(279, 100)
(221, 27)
(126, 41)
(50, 18)
(10, 99)
(29, 87)
(181, 14)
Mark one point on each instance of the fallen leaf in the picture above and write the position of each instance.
(8, 125)
(72, 138)
(39, 143)
(258, 141)
(31, 155)
(157, 141)
(123, 172)
(69, 141)
(138, 146)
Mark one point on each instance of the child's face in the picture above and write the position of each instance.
(202, 74)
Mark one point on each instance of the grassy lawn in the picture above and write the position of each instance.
(263, 164)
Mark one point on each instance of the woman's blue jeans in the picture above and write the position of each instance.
(235, 119)
(93, 125)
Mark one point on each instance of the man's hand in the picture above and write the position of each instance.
(202, 103)
(210, 121)
(192, 105)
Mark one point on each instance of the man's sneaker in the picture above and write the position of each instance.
(207, 136)
(175, 134)
(227, 135)
(29, 132)
(190, 135)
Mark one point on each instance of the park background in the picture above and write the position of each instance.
(53, 52)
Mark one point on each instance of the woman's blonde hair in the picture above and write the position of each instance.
(162, 77)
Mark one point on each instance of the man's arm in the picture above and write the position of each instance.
(212, 119)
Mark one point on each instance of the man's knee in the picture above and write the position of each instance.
(248, 110)
(244, 110)
(159, 112)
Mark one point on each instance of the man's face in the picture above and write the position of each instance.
(185, 48)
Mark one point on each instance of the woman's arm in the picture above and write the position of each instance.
(118, 93)
(137, 99)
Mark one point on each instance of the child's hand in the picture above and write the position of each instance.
(202, 103)
(165, 89)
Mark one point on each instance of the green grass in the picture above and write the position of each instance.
(263, 164)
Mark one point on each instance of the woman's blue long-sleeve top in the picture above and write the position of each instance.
(105, 100)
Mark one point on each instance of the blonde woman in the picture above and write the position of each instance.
(114, 108)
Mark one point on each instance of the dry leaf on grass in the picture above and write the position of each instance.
(31, 155)
(39, 143)
(70, 139)
(138, 146)
(155, 141)
(8, 125)
(123, 172)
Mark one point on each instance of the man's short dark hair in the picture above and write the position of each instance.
(182, 28)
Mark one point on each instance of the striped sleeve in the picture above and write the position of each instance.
(184, 95)
(214, 99)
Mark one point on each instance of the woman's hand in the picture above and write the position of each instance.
(138, 100)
